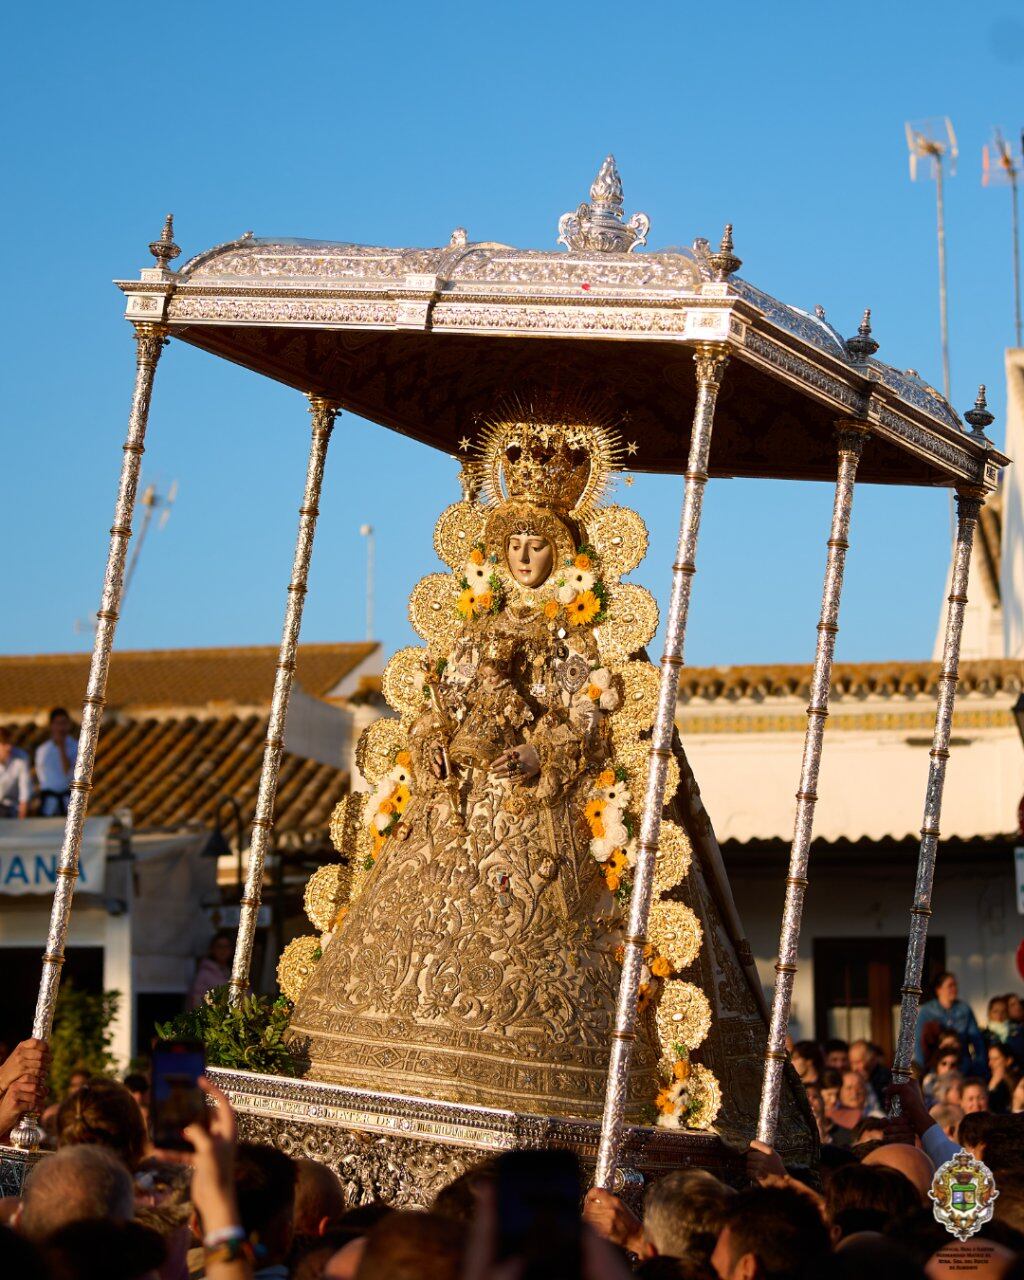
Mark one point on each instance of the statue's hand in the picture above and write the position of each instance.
(527, 763)
(437, 763)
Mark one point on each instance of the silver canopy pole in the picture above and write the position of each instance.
(150, 340)
(324, 413)
(711, 361)
(969, 506)
(850, 439)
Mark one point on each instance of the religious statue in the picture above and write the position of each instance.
(470, 945)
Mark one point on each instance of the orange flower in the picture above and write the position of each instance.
(484, 601)
(594, 693)
(681, 1070)
(583, 609)
(660, 967)
(583, 561)
(664, 1101)
(404, 758)
(643, 996)
(476, 556)
(378, 842)
(611, 880)
(607, 778)
(400, 797)
(594, 810)
(467, 603)
(386, 806)
(551, 609)
(597, 828)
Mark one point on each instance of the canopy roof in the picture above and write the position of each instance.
(424, 340)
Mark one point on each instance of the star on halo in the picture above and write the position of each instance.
(464, 444)
(631, 448)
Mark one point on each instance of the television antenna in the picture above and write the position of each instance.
(934, 142)
(152, 501)
(366, 531)
(999, 165)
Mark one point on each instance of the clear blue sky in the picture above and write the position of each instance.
(393, 123)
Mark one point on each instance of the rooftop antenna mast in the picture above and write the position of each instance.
(934, 141)
(366, 530)
(1000, 165)
(152, 501)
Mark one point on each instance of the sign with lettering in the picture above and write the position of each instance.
(30, 855)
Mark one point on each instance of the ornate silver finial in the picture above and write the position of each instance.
(598, 226)
(459, 238)
(723, 259)
(862, 346)
(979, 417)
(164, 249)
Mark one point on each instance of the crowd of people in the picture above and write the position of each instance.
(108, 1204)
(39, 787)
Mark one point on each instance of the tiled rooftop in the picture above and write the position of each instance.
(849, 680)
(171, 678)
(184, 730)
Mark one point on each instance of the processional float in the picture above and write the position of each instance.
(426, 342)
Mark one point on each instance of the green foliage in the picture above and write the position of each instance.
(248, 1036)
(81, 1035)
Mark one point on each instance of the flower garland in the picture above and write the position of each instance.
(482, 591)
(389, 802)
(613, 843)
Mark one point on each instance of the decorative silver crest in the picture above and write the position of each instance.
(598, 226)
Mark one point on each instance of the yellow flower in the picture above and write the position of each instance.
(611, 880)
(404, 758)
(596, 828)
(551, 609)
(476, 556)
(386, 806)
(583, 561)
(583, 609)
(594, 810)
(378, 842)
(660, 967)
(401, 797)
(617, 862)
(468, 603)
(594, 693)
(607, 778)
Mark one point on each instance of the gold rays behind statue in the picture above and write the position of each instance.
(558, 451)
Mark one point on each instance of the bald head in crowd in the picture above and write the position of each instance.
(75, 1185)
(909, 1161)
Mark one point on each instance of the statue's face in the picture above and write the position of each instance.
(530, 558)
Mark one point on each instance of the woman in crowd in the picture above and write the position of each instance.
(1004, 1076)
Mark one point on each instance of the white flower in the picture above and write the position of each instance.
(477, 575)
(645, 973)
(668, 1120)
(601, 847)
(616, 795)
(382, 820)
(609, 700)
(602, 677)
(566, 594)
(631, 851)
(579, 579)
(400, 775)
(615, 832)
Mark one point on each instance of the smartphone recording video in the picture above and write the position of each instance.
(176, 1098)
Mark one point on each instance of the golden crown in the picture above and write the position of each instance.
(560, 460)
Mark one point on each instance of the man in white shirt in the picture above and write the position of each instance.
(55, 765)
(15, 778)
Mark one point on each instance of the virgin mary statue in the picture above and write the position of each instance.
(469, 944)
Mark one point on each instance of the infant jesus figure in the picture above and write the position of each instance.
(494, 718)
